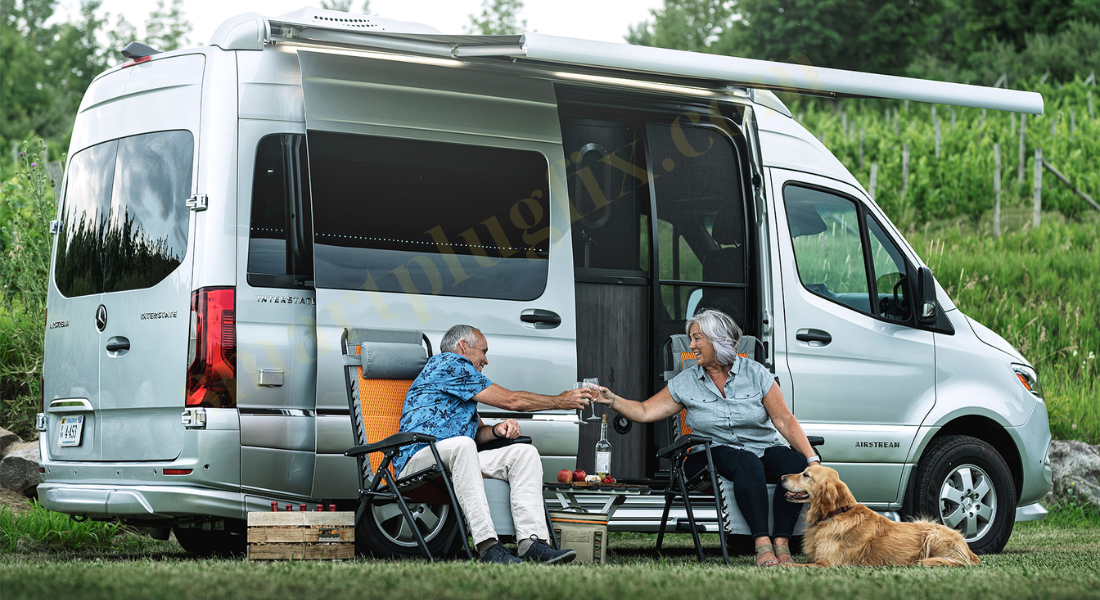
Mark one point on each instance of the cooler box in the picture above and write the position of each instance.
(586, 533)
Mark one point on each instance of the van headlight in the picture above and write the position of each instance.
(1029, 379)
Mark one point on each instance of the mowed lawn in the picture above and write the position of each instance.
(1042, 560)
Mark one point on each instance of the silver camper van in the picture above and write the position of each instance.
(230, 210)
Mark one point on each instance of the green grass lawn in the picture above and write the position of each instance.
(1057, 559)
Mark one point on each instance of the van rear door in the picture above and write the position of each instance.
(437, 201)
(135, 258)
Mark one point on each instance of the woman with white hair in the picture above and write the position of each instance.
(735, 402)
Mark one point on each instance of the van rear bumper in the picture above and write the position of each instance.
(155, 502)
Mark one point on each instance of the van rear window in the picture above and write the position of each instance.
(124, 223)
(422, 217)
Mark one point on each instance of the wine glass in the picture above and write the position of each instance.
(594, 383)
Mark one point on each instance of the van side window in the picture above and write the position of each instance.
(891, 287)
(828, 248)
(280, 236)
(420, 217)
(125, 217)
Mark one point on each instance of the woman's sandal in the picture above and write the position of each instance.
(780, 551)
(763, 549)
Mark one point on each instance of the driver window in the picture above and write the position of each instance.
(827, 246)
(891, 291)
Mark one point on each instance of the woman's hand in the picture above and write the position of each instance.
(605, 396)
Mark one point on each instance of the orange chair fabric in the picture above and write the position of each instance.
(381, 401)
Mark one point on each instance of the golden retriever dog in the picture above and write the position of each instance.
(842, 532)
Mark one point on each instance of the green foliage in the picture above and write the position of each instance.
(167, 29)
(41, 528)
(498, 17)
(959, 184)
(684, 25)
(27, 203)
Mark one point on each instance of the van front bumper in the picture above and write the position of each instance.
(151, 502)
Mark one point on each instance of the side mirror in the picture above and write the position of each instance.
(926, 296)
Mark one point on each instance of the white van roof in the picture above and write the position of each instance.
(586, 57)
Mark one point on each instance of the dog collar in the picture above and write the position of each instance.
(835, 513)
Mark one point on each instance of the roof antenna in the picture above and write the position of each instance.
(138, 50)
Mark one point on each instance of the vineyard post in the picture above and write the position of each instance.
(844, 122)
(895, 120)
(1038, 187)
(15, 152)
(952, 117)
(982, 120)
(936, 122)
(933, 112)
(906, 105)
(904, 168)
(1023, 133)
(1011, 124)
(1072, 121)
(874, 180)
(1053, 122)
(861, 133)
(997, 190)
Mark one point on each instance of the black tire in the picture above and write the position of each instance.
(224, 543)
(963, 482)
(383, 533)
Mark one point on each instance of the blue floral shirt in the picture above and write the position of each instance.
(440, 402)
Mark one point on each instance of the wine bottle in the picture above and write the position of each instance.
(603, 452)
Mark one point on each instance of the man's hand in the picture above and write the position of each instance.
(508, 428)
(576, 399)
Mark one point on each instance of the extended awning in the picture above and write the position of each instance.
(642, 63)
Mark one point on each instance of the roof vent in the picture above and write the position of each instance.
(334, 19)
(135, 50)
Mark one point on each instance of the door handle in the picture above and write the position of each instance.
(813, 335)
(116, 344)
(540, 319)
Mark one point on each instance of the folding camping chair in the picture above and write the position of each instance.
(379, 368)
(706, 482)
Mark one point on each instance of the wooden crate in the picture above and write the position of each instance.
(301, 535)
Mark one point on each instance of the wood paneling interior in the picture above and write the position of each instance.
(613, 345)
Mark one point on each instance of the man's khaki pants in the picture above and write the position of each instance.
(518, 464)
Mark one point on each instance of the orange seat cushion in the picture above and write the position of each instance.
(684, 357)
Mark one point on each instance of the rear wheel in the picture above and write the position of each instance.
(964, 483)
(383, 532)
(225, 543)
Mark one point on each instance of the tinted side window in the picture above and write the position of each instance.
(423, 217)
(825, 231)
(78, 270)
(147, 235)
(124, 224)
(891, 286)
(280, 245)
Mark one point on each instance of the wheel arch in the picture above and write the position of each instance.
(977, 426)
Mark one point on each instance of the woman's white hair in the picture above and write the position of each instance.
(722, 331)
(450, 340)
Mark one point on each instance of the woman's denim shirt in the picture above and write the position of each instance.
(739, 419)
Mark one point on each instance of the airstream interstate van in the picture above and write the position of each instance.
(230, 211)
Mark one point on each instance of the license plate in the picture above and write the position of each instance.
(71, 429)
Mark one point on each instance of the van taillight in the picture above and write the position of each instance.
(212, 350)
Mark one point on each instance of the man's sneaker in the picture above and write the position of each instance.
(499, 554)
(540, 551)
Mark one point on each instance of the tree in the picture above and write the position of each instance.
(167, 28)
(498, 17)
(337, 5)
(684, 25)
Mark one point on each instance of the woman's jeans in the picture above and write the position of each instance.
(750, 474)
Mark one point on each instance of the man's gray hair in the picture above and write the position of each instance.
(449, 343)
(722, 331)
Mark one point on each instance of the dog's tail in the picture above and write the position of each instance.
(958, 553)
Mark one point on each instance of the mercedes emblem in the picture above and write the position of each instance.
(101, 318)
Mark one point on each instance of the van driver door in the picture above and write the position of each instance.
(435, 204)
(863, 374)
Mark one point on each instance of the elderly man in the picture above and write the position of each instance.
(443, 402)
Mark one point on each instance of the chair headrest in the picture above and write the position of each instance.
(388, 353)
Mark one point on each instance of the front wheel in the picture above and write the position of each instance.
(384, 533)
(964, 483)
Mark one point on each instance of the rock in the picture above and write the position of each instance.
(1076, 473)
(7, 438)
(19, 469)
